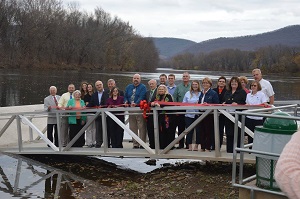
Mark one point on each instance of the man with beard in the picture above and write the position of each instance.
(134, 93)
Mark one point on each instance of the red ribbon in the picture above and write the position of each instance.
(145, 107)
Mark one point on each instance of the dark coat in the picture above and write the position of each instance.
(239, 97)
(153, 95)
(221, 95)
(95, 101)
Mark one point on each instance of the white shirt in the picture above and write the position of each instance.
(266, 88)
(63, 101)
(255, 99)
(191, 97)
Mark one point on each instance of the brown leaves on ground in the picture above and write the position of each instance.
(183, 180)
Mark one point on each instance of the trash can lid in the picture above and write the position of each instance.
(279, 125)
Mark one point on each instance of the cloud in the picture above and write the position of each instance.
(199, 20)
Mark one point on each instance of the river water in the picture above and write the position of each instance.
(24, 87)
(22, 178)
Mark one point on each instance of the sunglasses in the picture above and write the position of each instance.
(254, 85)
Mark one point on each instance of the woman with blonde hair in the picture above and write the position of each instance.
(165, 120)
(207, 96)
(192, 97)
(244, 82)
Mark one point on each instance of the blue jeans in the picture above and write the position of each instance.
(189, 136)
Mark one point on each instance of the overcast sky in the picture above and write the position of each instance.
(199, 20)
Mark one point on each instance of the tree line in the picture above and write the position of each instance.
(44, 34)
(273, 59)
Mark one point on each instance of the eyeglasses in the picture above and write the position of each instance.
(254, 85)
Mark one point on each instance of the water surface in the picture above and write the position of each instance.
(25, 87)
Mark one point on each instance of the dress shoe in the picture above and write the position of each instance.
(136, 147)
(97, 146)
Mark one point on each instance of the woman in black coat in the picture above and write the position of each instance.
(234, 95)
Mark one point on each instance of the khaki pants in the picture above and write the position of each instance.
(64, 132)
(90, 133)
(137, 124)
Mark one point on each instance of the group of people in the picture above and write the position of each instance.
(192, 92)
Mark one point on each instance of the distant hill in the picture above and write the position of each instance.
(289, 36)
(169, 47)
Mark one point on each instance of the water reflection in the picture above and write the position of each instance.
(24, 178)
(25, 87)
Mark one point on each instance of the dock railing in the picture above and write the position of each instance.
(239, 152)
(27, 117)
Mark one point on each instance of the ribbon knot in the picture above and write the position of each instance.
(145, 107)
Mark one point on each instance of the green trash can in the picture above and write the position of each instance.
(271, 137)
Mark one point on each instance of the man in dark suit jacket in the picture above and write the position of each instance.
(110, 84)
(150, 97)
(99, 98)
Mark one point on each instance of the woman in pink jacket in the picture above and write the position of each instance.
(287, 172)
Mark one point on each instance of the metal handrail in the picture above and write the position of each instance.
(242, 149)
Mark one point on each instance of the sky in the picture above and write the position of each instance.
(199, 20)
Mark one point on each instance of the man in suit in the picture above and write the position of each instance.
(62, 103)
(150, 97)
(110, 84)
(52, 102)
(99, 98)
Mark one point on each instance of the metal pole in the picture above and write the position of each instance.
(156, 131)
(30, 131)
(217, 134)
(7, 124)
(242, 146)
(19, 130)
(234, 146)
(104, 131)
(58, 123)
(18, 173)
(58, 185)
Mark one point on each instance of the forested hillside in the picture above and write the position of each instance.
(169, 47)
(287, 36)
(277, 52)
(44, 34)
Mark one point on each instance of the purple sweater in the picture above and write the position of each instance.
(118, 101)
